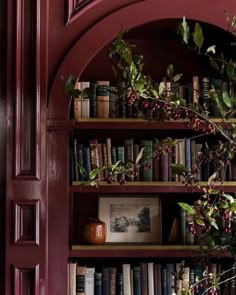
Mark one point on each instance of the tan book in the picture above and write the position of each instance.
(196, 90)
(72, 278)
(102, 95)
(77, 104)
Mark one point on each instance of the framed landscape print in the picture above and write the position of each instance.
(131, 219)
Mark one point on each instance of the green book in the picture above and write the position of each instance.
(146, 167)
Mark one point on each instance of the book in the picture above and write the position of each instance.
(87, 161)
(126, 267)
(146, 162)
(113, 102)
(85, 99)
(188, 153)
(113, 272)
(72, 278)
(150, 269)
(119, 283)
(80, 280)
(164, 164)
(98, 283)
(129, 155)
(174, 236)
(164, 280)
(136, 170)
(80, 147)
(157, 279)
(77, 104)
(170, 269)
(89, 280)
(102, 94)
(93, 100)
(137, 279)
(144, 278)
(205, 94)
(76, 166)
(93, 147)
(105, 280)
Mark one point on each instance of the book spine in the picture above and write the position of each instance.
(144, 278)
(188, 155)
(80, 160)
(89, 280)
(80, 280)
(170, 269)
(102, 94)
(72, 278)
(98, 283)
(119, 284)
(105, 280)
(126, 267)
(76, 160)
(196, 90)
(93, 100)
(113, 272)
(150, 266)
(164, 166)
(157, 279)
(87, 161)
(129, 155)
(113, 101)
(137, 280)
(136, 152)
(146, 170)
(77, 104)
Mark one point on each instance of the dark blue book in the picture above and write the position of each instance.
(119, 284)
(170, 269)
(80, 161)
(137, 280)
(98, 283)
(93, 100)
(72, 165)
(106, 280)
(163, 281)
(87, 161)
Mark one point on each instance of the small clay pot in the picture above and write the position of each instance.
(94, 232)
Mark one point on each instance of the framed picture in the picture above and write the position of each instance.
(131, 219)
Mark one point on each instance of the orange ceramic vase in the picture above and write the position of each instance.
(94, 232)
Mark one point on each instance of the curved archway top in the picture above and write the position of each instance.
(125, 19)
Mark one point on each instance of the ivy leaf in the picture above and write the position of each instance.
(214, 224)
(93, 174)
(179, 169)
(198, 37)
(188, 208)
(214, 64)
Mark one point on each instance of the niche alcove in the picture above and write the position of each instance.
(154, 31)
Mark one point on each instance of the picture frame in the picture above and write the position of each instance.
(131, 219)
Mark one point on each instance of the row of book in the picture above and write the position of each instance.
(153, 166)
(148, 278)
(100, 99)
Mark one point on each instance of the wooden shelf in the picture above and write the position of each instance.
(147, 187)
(133, 251)
(120, 123)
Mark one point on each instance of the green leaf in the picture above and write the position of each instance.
(233, 207)
(140, 154)
(177, 77)
(227, 99)
(188, 208)
(229, 197)
(184, 30)
(199, 221)
(214, 64)
(198, 37)
(214, 224)
(93, 174)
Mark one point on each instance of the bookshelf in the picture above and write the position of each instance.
(80, 203)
